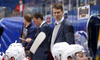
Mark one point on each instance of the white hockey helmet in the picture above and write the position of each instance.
(74, 48)
(58, 49)
(15, 50)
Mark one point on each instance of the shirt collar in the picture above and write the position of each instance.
(58, 22)
(42, 23)
(98, 17)
(29, 25)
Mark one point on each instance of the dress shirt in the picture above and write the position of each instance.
(55, 31)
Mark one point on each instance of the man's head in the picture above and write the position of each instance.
(58, 49)
(37, 19)
(80, 56)
(27, 18)
(74, 52)
(12, 58)
(20, 2)
(58, 11)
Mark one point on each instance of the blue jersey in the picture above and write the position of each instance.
(29, 32)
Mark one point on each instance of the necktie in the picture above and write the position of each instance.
(55, 24)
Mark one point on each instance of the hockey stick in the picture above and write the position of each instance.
(39, 39)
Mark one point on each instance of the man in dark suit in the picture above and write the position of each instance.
(63, 30)
(42, 53)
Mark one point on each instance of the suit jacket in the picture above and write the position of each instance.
(42, 51)
(65, 33)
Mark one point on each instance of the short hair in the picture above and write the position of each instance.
(38, 15)
(58, 6)
(28, 17)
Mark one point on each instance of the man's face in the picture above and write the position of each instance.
(20, 2)
(36, 21)
(57, 13)
(81, 56)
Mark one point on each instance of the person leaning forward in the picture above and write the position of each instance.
(42, 53)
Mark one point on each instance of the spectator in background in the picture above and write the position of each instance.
(20, 8)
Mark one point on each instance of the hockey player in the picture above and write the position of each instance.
(58, 49)
(75, 52)
(15, 52)
(68, 52)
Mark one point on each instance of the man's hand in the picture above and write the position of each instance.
(28, 40)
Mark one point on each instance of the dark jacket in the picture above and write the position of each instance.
(65, 33)
(31, 31)
(42, 53)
